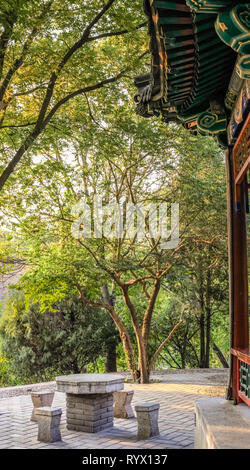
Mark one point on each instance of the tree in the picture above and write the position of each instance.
(78, 137)
(200, 278)
(52, 55)
(120, 164)
(67, 340)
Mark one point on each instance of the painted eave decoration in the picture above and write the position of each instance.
(200, 65)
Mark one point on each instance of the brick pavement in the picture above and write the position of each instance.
(176, 419)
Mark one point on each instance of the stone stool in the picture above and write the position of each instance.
(48, 419)
(122, 402)
(41, 399)
(147, 417)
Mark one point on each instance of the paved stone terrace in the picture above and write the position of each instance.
(176, 394)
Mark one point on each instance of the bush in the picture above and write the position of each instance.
(71, 339)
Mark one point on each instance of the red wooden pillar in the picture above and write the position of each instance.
(240, 275)
(238, 265)
(230, 202)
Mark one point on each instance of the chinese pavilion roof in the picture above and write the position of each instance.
(200, 57)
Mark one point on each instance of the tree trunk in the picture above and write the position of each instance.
(208, 318)
(127, 346)
(183, 350)
(129, 353)
(220, 356)
(143, 372)
(110, 363)
(183, 359)
(76, 369)
(142, 363)
(202, 322)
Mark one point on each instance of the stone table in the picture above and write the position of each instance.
(89, 400)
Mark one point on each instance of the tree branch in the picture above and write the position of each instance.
(81, 91)
(129, 351)
(42, 121)
(7, 126)
(11, 17)
(149, 311)
(132, 282)
(39, 128)
(112, 274)
(76, 46)
(156, 354)
(116, 33)
(19, 61)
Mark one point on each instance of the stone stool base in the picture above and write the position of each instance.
(49, 424)
(147, 416)
(89, 412)
(41, 399)
(122, 401)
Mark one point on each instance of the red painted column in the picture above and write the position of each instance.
(240, 333)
